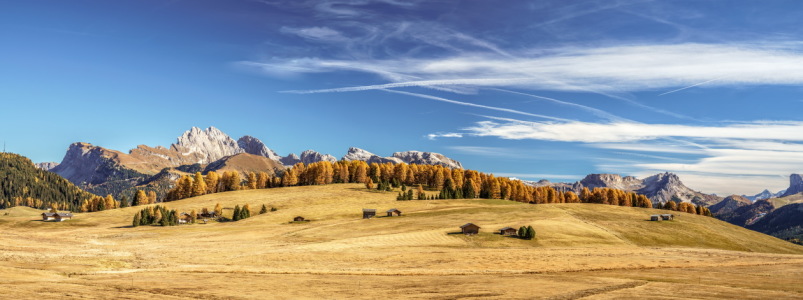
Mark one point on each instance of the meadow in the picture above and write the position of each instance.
(580, 250)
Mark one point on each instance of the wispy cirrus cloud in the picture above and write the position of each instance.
(607, 69)
(321, 34)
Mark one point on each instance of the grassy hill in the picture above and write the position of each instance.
(578, 251)
(336, 210)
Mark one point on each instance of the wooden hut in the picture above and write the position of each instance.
(508, 231)
(368, 213)
(668, 217)
(48, 216)
(470, 228)
(184, 218)
(299, 219)
(393, 211)
(655, 218)
(57, 217)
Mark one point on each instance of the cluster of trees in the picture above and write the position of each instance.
(526, 232)
(686, 207)
(143, 198)
(155, 215)
(197, 185)
(98, 203)
(23, 184)
(241, 213)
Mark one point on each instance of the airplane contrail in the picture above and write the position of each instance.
(691, 86)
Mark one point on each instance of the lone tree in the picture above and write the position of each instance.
(369, 183)
(263, 210)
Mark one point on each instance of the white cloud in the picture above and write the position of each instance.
(587, 132)
(607, 70)
(319, 34)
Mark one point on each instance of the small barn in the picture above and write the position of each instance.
(470, 228)
(508, 231)
(184, 218)
(393, 211)
(368, 213)
(655, 218)
(48, 216)
(57, 217)
(668, 217)
(299, 219)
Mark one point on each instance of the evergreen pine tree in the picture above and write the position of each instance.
(522, 232)
(530, 233)
(410, 194)
(236, 215)
(137, 220)
(263, 210)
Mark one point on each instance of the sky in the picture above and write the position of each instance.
(709, 90)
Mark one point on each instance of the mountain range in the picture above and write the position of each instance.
(660, 188)
(104, 171)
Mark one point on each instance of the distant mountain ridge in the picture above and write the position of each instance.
(660, 188)
(766, 194)
(104, 171)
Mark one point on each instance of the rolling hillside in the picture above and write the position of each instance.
(100, 254)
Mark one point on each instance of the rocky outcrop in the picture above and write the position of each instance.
(795, 185)
(252, 145)
(47, 166)
(355, 153)
(427, 158)
(290, 159)
(210, 144)
(614, 181)
(667, 186)
(311, 156)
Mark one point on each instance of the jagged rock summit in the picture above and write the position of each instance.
(211, 144)
(311, 156)
(47, 166)
(795, 185)
(355, 153)
(427, 158)
(252, 145)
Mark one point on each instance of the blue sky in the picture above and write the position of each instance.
(710, 90)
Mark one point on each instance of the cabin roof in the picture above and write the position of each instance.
(508, 228)
(369, 210)
(469, 224)
(666, 215)
(392, 210)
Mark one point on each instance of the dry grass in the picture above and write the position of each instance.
(582, 250)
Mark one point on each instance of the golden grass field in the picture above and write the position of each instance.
(581, 251)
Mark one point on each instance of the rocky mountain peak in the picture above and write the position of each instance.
(427, 158)
(311, 156)
(355, 153)
(615, 181)
(290, 159)
(795, 185)
(47, 166)
(252, 145)
(211, 144)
